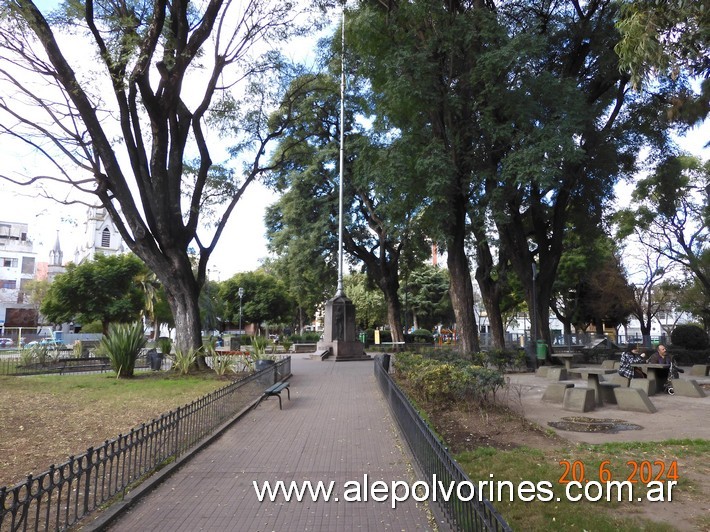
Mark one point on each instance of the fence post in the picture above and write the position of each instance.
(177, 431)
(87, 484)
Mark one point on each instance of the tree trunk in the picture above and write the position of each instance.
(394, 310)
(490, 289)
(461, 287)
(182, 292)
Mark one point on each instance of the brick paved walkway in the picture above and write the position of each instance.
(337, 427)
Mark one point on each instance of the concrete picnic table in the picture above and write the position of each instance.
(566, 358)
(593, 380)
(653, 373)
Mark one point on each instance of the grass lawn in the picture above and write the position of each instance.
(611, 461)
(45, 419)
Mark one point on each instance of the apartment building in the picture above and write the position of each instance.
(18, 263)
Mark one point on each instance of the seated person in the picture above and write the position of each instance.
(661, 356)
(632, 355)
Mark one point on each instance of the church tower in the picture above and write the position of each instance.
(56, 260)
(101, 236)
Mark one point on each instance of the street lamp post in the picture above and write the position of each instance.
(241, 294)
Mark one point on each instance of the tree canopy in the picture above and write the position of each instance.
(126, 100)
(103, 289)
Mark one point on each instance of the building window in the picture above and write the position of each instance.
(9, 284)
(105, 238)
(8, 262)
(28, 265)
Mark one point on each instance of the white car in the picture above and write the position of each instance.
(49, 343)
(6, 342)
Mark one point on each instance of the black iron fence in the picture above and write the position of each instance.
(58, 498)
(434, 459)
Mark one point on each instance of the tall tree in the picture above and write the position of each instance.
(427, 297)
(670, 214)
(668, 39)
(520, 116)
(379, 207)
(424, 94)
(105, 289)
(132, 126)
(265, 299)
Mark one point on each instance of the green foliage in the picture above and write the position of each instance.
(28, 356)
(368, 300)
(102, 289)
(690, 336)
(221, 364)
(78, 349)
(92, 327)
(122, 346)
(421, 336)
(258, 347)
(266, 298)
(305, 338)
(455, 379)
(183, 360)
(165, 345)
(425, 293)
(503, 360)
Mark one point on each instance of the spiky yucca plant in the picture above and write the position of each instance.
(122, 345)
(183, 359)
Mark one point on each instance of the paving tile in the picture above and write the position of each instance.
(337, 427)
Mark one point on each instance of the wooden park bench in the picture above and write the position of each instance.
(276, 390)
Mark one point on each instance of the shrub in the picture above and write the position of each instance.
(447, 380)
(78, 349)
(421, 336)
(183, 360)
(165, 345)
(690, 336)
(93, 327)
(221, 364)
(122, 346)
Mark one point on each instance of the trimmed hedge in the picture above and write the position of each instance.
(440, 381)
(690, 337)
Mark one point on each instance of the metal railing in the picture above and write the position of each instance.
(434, 459)
(59, 361)
(66, 493)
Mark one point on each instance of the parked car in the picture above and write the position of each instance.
(6, 342)
(49, 343)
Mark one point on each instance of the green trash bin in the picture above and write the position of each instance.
(541, 350)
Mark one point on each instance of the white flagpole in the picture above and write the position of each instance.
(340, 291)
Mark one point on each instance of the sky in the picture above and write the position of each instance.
(243, 244)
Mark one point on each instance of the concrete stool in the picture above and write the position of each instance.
(579, 400)
(700, 370)
(688, 388)
(607, 392)
(643, 384)
(556, 373)
(542, 371)
(555, 392)
(633, 399)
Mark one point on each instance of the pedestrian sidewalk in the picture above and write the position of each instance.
(336, 427)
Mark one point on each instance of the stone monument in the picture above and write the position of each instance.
(340, 335)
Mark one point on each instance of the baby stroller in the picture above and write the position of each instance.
(673, 373)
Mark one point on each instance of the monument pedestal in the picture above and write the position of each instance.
(339, 336)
